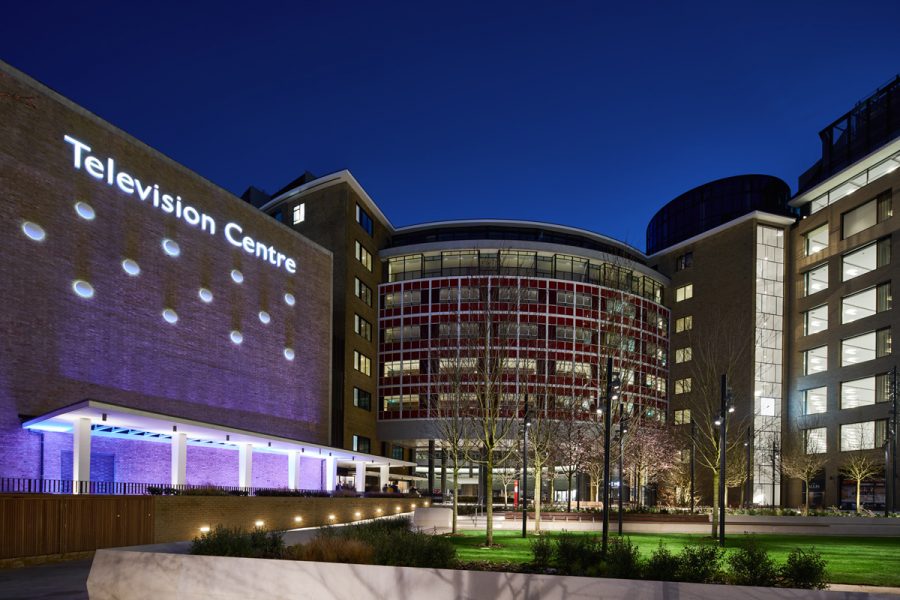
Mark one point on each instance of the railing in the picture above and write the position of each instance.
(19, 485)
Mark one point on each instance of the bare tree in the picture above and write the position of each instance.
(508, 472)
(860, 465)
(542, 441)
(648, 451)
(799, 461)
(573, 443)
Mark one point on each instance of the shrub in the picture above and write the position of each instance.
(329, 548)
(699, 564)
(226, 541)
(750, 565)
(804, 569)
(541, 551)
(393, 544)
(662, 565)
(623, 559)
(578, 554)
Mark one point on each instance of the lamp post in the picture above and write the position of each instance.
(722, 423)
(892, 436)
(749, 485)
(774, 467)
(622, 431)
(693, 458)
(526, 418)
(607, 425)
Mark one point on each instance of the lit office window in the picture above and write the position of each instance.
(683, 386)
(362, 291)
(459, 294)
(363, 256)
(866, 259)
(867, 215)
(815, 440)
(684, 292)
(815, 280)
(364, 220)
(683, 354)
(362, 328)
(362, 399)
(815, 401)
(866, 303)
(865, 391)
(299, 213)
(815, 360)
(815, 320)
(683, 416)
(867, 346)
(862, 436)
(362, 363)
(579, 299)
(569, 367)
(396, 334)
(816, 240)
(684, 261)
(684, 324)
(362, 444)
(405, 298)
(393, 368)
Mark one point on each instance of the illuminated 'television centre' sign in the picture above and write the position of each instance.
(106, 171)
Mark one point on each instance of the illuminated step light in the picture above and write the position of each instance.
(289, 353)
(259, 523)
(204, 529)
(83, 288)
(131, 267)
(357, 514)
(289, 299)
(264, 317)
(331, 517)
(170, 316)
(298, 519)
(171, 247)
(237, 276)
(236, 337)
(85, 211)
(205, 295)
(33, 231)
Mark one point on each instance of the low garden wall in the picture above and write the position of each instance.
(129, 574)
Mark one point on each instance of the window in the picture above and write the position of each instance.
(865, 391)
(815, 280)
(568, 367)
(453, 365)
(817, 239)
(459, 294)
(406, 298)
(815, 360)
(867, 215)
(867, 346)
(866, 303)
(683, 354)
(521, 364)
(363, 256)
(685, 261)
(683, 386)
(405, 402)
(517, 330)
(655, 382)
(685, 292)
(392, 368)
(815, 401)
(866, 259)
(815, 320)
(362, 291)
(396, 334)
(683, 416)
(815, 441)
(397, 452)
(579, 299)
(767, 407)
(362, 399)
(582, 335)
(299, 213)
(512, 294)
(362, 328)
(858, 436)
(363, 218)
(684, 324)
(463, 330)
(362, 444)
(362, 363)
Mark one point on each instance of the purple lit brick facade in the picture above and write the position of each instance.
(57, 348)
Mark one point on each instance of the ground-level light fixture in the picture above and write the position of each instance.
(260, 523)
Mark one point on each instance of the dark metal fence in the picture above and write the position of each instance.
(19, 485)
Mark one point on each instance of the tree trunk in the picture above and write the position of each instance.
(537, 497)
(806, 498)
(569, 493)
(455, 493)
(858, 493)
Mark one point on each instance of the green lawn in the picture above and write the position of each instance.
(869, 561)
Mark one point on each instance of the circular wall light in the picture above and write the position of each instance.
(289, 353)
(264, 317)
(171, 247)
(205, 295)
(33, 231)
(85, 211)
(237, 276)
(289, 299)
(131, 267)
(170, 316)
(83, 288)
(236, 337)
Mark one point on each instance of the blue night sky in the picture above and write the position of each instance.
(580, 113)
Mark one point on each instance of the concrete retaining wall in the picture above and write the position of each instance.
(136, 575)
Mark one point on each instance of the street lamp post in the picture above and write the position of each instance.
(892, 436)
(607, 425)
(722, 422)
(622, 431)
(526, 423)
(749, 485)
(693, 458)
(774, 468)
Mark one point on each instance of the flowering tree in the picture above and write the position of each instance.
(649, 452)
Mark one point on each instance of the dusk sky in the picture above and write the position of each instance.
(581, 113)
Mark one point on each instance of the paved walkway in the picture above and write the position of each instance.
(55, 580)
